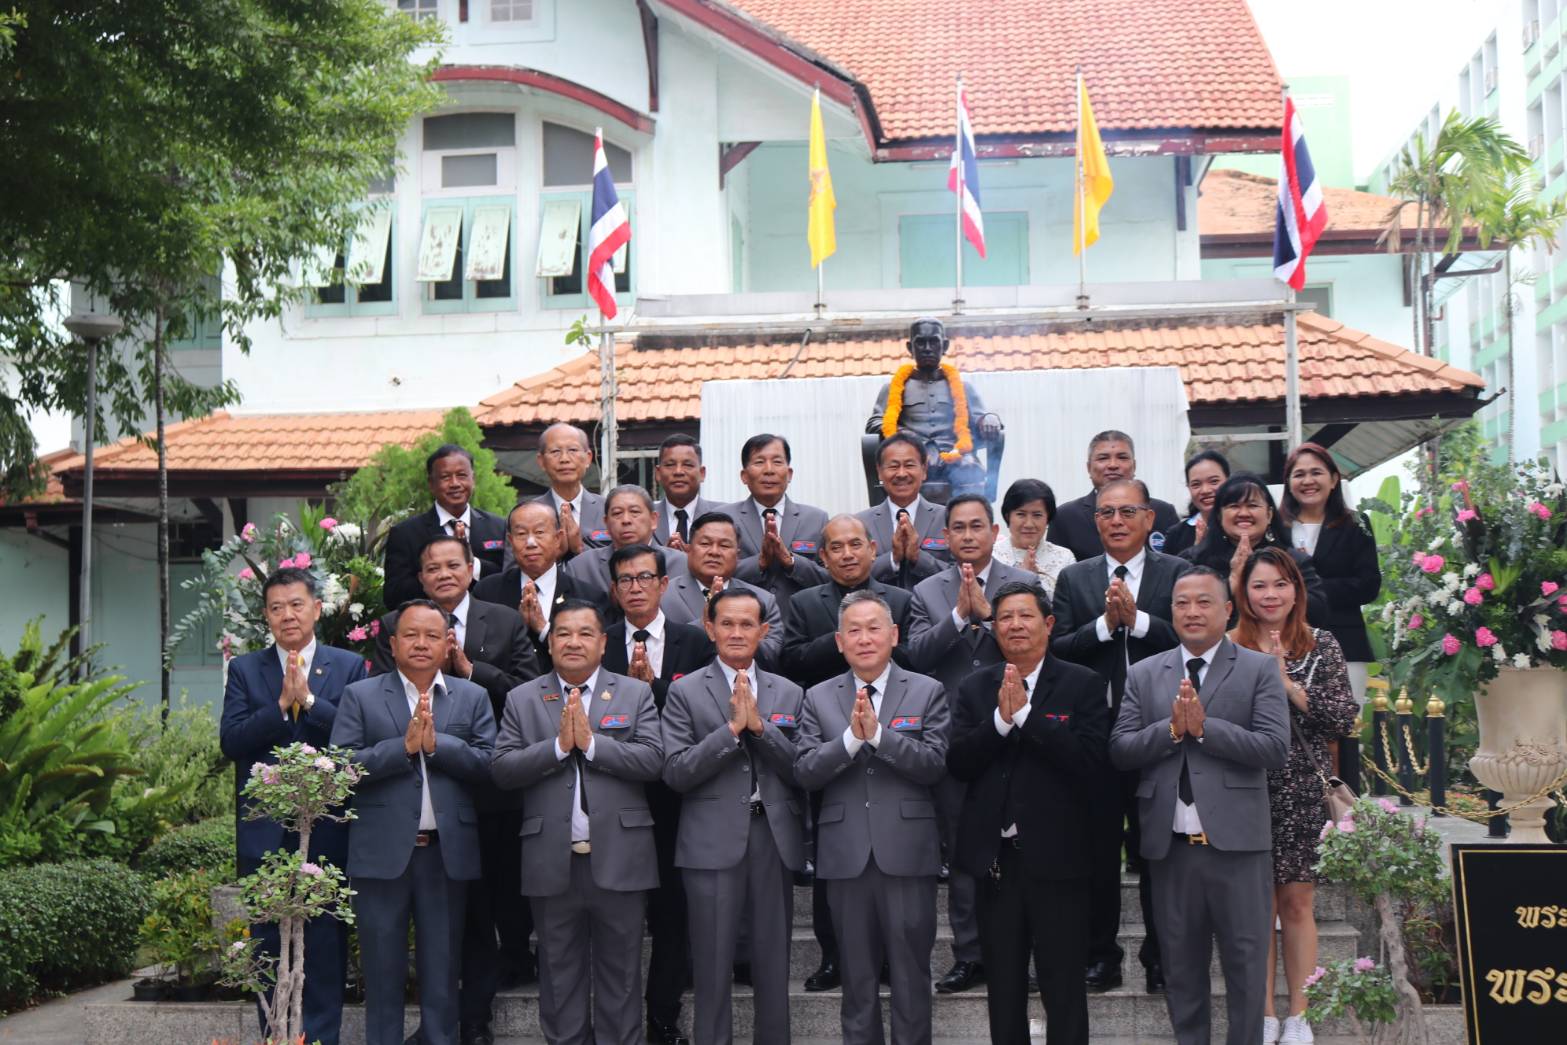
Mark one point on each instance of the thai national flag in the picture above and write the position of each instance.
(1301, 214)
(963, 176)
(611, 230)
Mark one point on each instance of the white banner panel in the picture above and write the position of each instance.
(367, 250)
(560, 237)
(438, 244)
(1049, 415)
(487, 242)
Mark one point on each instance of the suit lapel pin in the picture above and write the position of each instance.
(551, 696)
(606, 694)
(320, 671)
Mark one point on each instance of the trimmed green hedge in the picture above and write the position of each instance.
(68, 925)
(205, 846)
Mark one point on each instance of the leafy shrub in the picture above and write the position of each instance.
(67, 926)
(184, 759)
(207, 846)
(179, 932)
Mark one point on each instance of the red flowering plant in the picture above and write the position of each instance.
(1476, 580)
(338, 554)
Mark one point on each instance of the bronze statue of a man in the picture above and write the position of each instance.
(929, 400)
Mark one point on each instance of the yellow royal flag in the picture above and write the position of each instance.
(823, 237)
(1093, 183)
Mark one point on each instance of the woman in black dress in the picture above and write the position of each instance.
(1242, 520)
(1341, 548)
(1270, 598)
(1205, 472)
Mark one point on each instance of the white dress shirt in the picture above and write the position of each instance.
(579, 816)
(654, 644)
(544, 584)
(1187, 821)
(575, 502)
(1303, 535)
(446, 518)
(461, 613)
(782, 508)
(307, 655)
(437, 691)
(853, 743)
(1134, 582)
(730, 674)
(983, 577)
(670, 508)
(1020, 716)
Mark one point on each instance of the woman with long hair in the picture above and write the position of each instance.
(1205, 473)
(1271, 600)
(1027, 509)
(1242, 520)
(1341, 548)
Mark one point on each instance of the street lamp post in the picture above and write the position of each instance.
(93, 327)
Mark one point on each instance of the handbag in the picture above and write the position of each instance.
(1338, 798)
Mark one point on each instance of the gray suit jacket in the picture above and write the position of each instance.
(890, 814)
(371, 720)
(695, 510)
(799, 525)
(591, 568)
(683, 602)
(591, 521)
(627, 753)
(934, 556)
(934, 644)
(712, 768)
(1245, 733)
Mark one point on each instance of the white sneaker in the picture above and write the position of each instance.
(1296, 1032)
(1270, 1030)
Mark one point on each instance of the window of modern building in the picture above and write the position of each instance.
(420, 8)
(925, 251)
(511, 10)
(202, 326)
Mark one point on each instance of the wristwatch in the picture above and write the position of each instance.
(1173, 738)
(310, 702)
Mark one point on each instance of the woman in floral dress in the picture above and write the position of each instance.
(1271, 600)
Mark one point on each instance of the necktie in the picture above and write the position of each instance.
(459, 531)
(870, 695)
(1193, 671)
(577, 757)
(681, 521)
(1009, 802)
(750, 756)
(1118, 668)
(640, 635)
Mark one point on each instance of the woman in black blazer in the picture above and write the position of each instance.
(1341, 548)
(1205, 473)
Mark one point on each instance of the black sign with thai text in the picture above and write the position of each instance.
(1510, 909)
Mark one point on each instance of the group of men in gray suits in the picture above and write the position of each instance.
(839, 648)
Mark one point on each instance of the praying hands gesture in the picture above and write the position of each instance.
(1292, 689)
(1011, 698)
(420, 734)
(972, 604)
(575, 733)
(905, 539)
(571, 528)
(1120, 606)
(742, 707)
(532, 612)
(1186, 713)
(773, 550)
(640, 667)
(862, 720)
(457, 662)
(296, 690)
(1238, 561)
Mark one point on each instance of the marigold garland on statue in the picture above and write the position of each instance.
(889, 421)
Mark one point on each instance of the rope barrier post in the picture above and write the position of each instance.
(1379, 752)
(1436, 754)
(1499, 825)
(1404, 709)
(1349, 755)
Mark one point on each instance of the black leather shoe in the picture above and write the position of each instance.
(945, 873)
(662, 1032)
(825, 978)
(1155, 979)
(1103, 976)
(475, 1034)
(743, 973)
(807, 875)
(961, 977)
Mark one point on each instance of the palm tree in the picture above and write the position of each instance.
(1447, 181)
(1517, 216)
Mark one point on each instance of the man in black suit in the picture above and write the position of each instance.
(489, 647)
(536, 584)
(811, 655)
(1113, 610)
(1030, 736)
(651, 648)
(680, 474)
(449, 471)
(1111, 456)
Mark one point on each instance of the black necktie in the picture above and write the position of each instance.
(640, 635)
(870, 695)
(1009, 802)
(1193, 672)
(1118, 668)
(681, 519)
(750, 755)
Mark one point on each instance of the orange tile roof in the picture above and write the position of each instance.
(1220, 364)
(1238, 203)
(221, 442)
(1149, 64)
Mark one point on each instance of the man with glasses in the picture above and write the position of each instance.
(649, 647)
(680, 474)
(1111, 456)
(449, 472)
(949, 639)
(565, 455)
(1113, 610)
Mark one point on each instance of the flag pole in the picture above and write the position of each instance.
(1292, 418)
(1082, 203)
(957, 225)
(609, 444)
(821, 305)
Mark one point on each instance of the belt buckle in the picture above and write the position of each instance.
(582, 848)
(1200, 838)
(421, 839)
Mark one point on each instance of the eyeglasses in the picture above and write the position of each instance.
(627, 581)
(558, 453)
(1126, 511)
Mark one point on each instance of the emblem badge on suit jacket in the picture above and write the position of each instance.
(808, 547)
(550, 696)
(492, 545)
(614, 721)
(904, 722)
(781, 719)
(1156, 541)
(599, 535)
(934, 544)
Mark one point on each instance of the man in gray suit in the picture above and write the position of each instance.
(1204, 722)
(874, 741)
(414, 849)
(628, 517)
(582, 743)
(907, 528)
(950, 639)
(713, 555)
(565, 455)
(679, 472)
(780, 539)
(729, 746)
